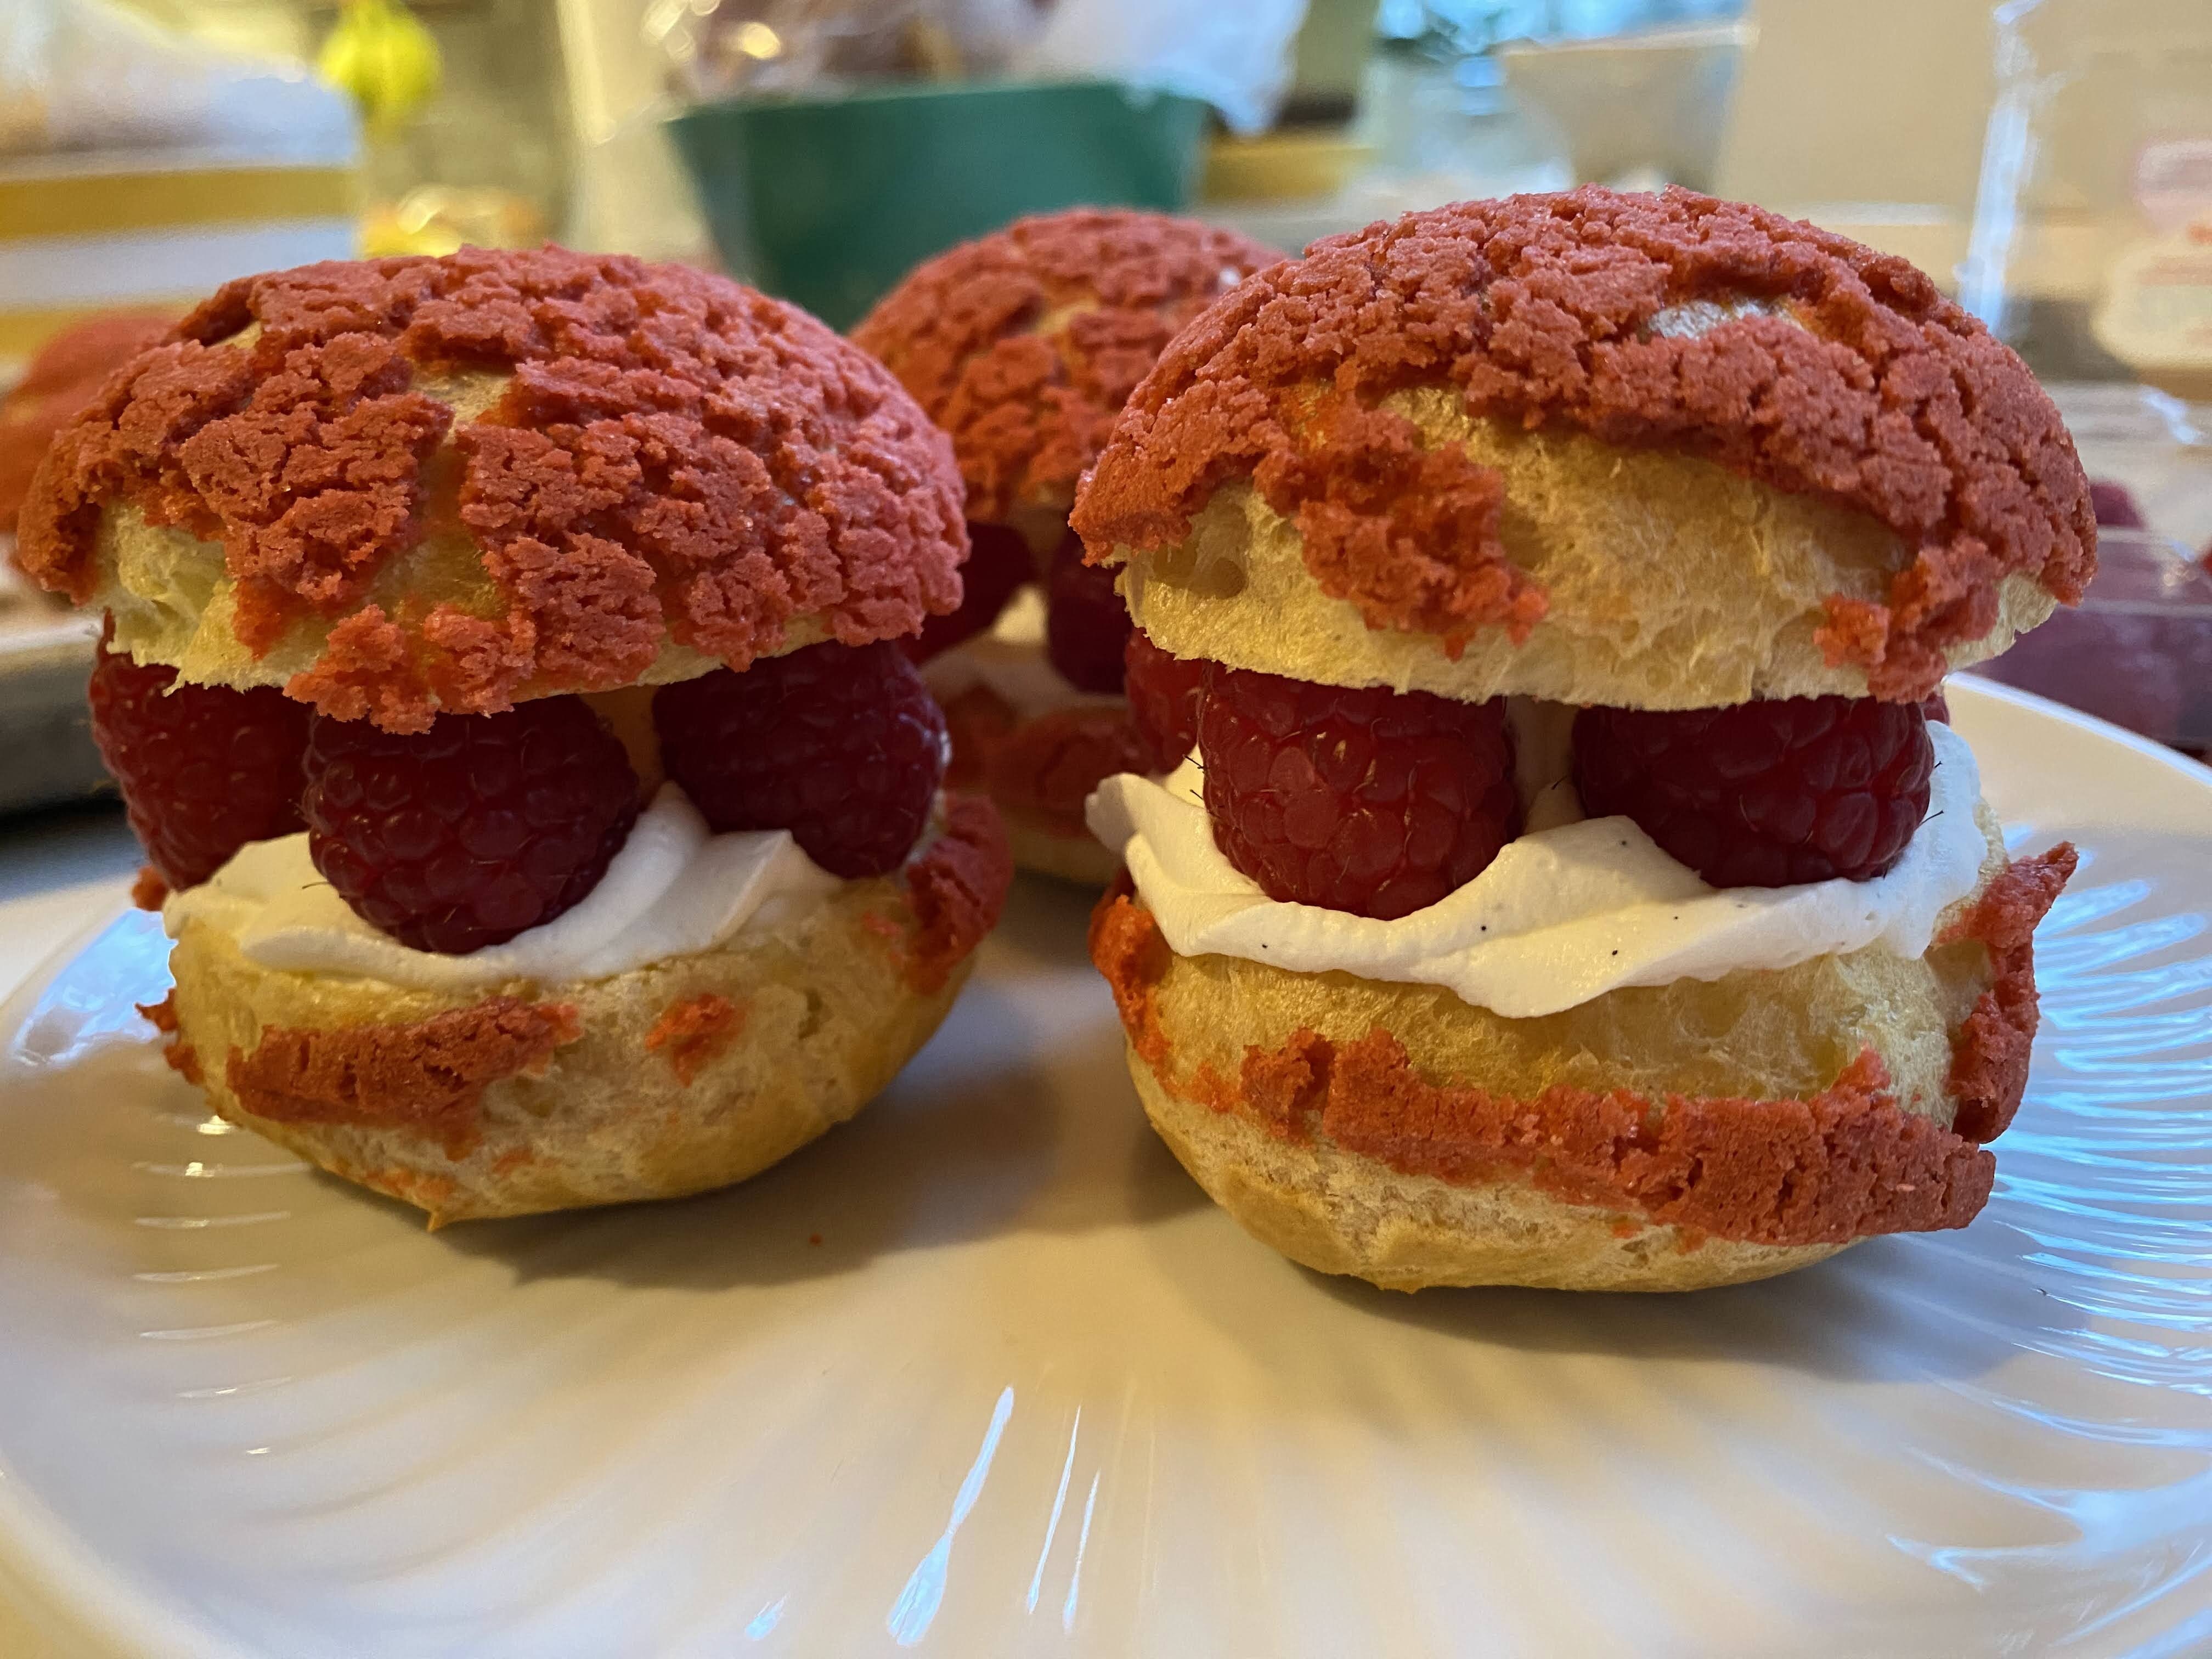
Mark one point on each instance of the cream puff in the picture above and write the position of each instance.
(502, 674)
(1573, 880)
(1022, 345)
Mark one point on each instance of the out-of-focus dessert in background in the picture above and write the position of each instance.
(1023, 347)
(59, 381)
(2138, 652)
(44, 650)
(140, 166)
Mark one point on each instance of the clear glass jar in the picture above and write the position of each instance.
(2092, 248)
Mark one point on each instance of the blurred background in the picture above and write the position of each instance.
(2050, 161)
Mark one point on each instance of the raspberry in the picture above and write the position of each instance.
(1085, 622)
(204, 769)
(998, 563)
(1369, 801)
(1163, 693)
(467, 833)
(1936, 707)
(842, 746)
(2115, 506)
(1763, 794)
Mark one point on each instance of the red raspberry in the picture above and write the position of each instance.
(1085, 623)
(1936, 707)
(2115, 506)
(998, 563)
(467, 833)
(204, 769)
(1164, 692)
(842, 746)
(1369, 801)
(1763, 794)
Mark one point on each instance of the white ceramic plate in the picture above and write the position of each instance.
(983, 1374)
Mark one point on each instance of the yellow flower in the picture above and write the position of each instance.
(381, 54)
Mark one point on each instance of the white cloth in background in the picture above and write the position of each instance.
(84, 74)
(1235, 54)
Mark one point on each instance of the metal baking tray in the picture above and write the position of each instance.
(47, 756)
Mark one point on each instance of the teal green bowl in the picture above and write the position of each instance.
(830, 201)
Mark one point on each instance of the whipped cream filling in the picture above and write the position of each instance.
(1010, 661)
(1562, 915)
(674, 889)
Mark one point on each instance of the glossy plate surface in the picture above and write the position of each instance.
(983, 1373)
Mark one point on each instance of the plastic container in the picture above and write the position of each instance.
(828, 201)
(2138, 653)
(1636, 105)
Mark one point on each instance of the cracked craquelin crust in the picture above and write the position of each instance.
(1659, 451)
(1024, 344)
(62, 379)
(405, 485)
(674, 1078)
(1668, 1137)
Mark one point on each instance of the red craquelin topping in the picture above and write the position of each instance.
(1024, 344)
(1858, 383)
(426, 1077)
(1988, 1062)
(1843, 1163)
(693, 1032)
(69, 370)
(674, 456)
(1847, 1162)
(957, 889)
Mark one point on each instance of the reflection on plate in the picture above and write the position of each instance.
(981, 1373)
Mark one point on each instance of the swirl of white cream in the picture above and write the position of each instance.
(1560, 916)
(674, 889)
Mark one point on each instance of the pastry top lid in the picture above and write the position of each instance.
(398, 486)
(1676, 324)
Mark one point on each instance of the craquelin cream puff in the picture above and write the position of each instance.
(1023, 345)
(502, 674)
(1573, 880)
